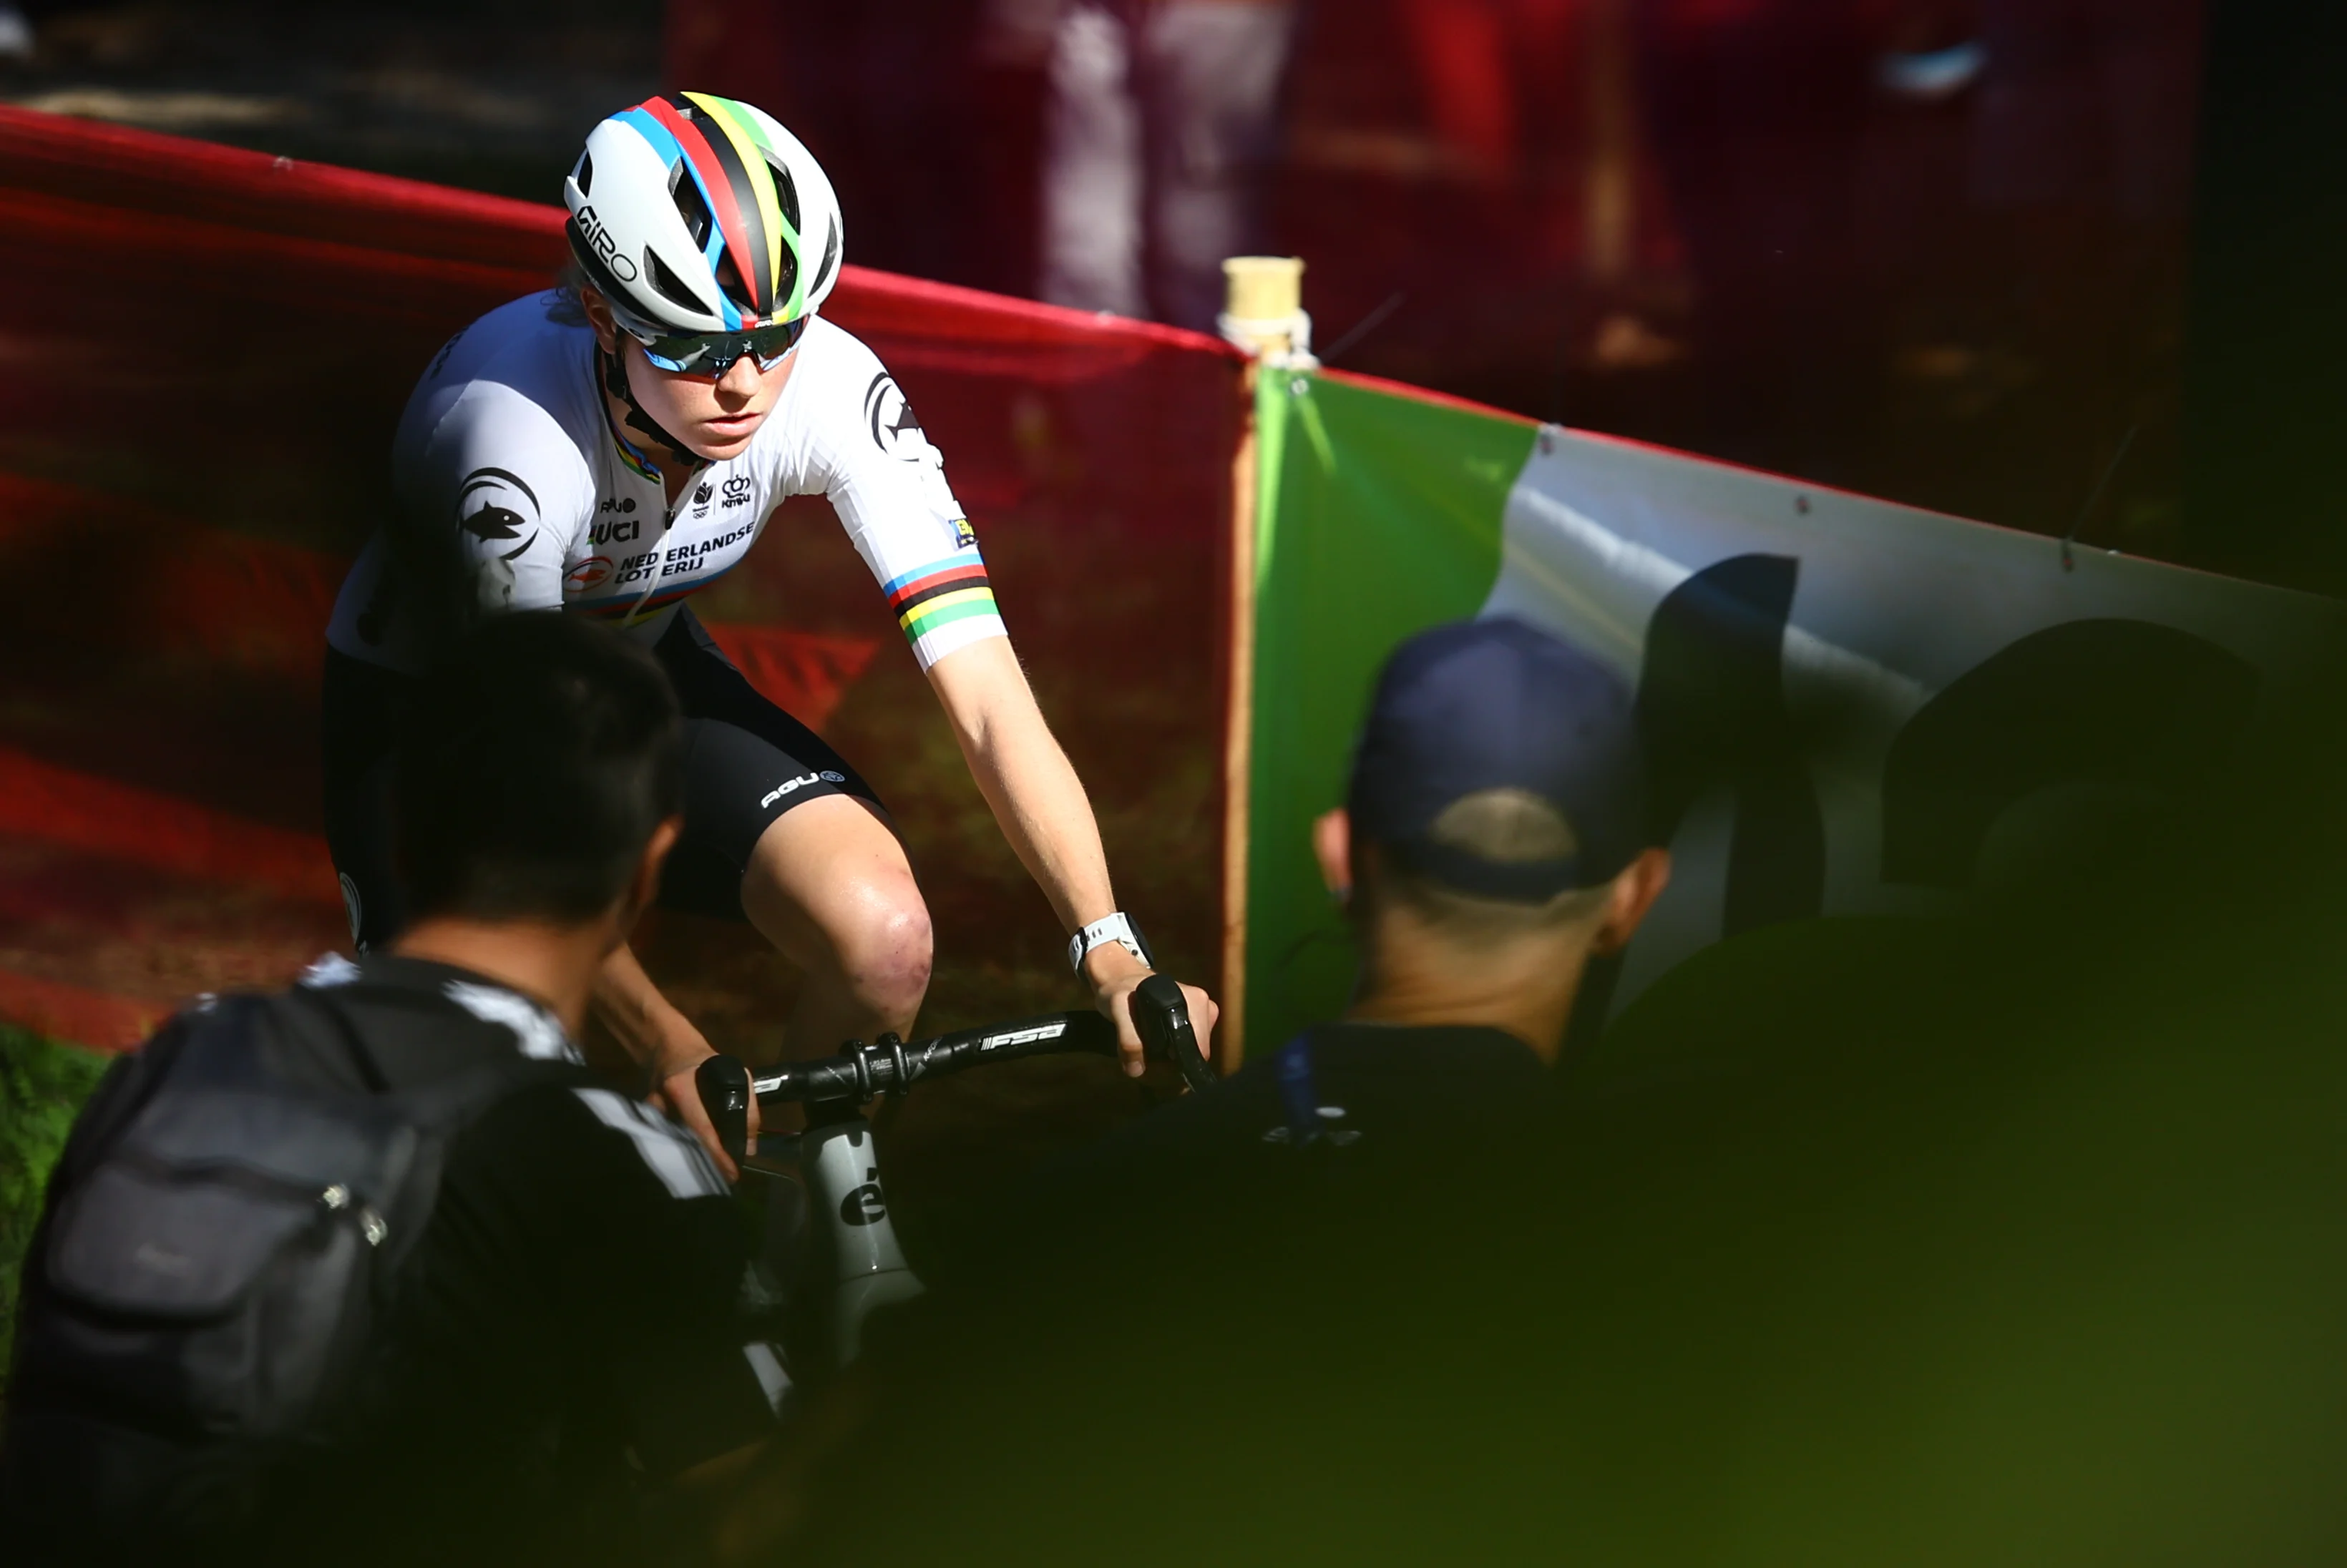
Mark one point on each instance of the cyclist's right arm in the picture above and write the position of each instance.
(494, 492)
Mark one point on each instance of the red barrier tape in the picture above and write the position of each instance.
(81, 811)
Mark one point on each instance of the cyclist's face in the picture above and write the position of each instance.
(715, 416)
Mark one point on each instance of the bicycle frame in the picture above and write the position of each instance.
(827, 1233)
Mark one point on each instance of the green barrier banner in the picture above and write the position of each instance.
(1850, 706)
(1376, 515)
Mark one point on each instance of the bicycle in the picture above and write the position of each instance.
(830, 1256)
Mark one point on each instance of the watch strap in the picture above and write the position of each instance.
(1119, 928)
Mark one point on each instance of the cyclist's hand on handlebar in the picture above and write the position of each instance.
(662, 1040)
(1114, 973)
(674, 1091)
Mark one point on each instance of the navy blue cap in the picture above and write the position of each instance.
(1491, 705)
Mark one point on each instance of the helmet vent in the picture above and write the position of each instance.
(786, 192)
(692, 206)
(729, 283)
(830, 256)
(585, 174)
(672, 286)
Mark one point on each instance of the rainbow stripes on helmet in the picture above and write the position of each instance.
(697, 214)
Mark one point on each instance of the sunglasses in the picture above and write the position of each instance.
(714, 353)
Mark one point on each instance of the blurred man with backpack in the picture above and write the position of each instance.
(373, 1267)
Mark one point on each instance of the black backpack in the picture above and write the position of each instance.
(211, 1281)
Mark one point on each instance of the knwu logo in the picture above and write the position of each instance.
(737, 491)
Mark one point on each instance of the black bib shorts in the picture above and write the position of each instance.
(746, 763)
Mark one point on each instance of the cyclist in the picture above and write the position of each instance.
(609, 449)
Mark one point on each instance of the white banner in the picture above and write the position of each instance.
(1856, 707)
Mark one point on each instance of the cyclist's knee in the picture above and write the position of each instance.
(885, 951)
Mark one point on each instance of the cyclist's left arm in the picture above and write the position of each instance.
(1041, 803)
(887, 483)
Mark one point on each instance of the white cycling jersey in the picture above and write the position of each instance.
(507, 453)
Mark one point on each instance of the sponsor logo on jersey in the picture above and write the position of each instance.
(701, 500)
(690, 558)
(620, 533)
(894, 429)
(789, 787)
(493, 505)
(600, 241)
(624, 503)
(965, 536)
(737, 490)
(590, 574)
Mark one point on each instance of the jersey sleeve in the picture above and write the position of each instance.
(494, 492)
(887, 483)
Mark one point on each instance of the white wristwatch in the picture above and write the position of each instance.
(1118, 928)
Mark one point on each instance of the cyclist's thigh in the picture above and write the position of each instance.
(747, 763)
(359, 713)
(830, 886)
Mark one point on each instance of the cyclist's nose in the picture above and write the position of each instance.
(741, 377)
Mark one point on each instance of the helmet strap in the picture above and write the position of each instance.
(640, 420)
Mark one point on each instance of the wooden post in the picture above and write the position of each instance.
(1263, 314)
(1238, 735)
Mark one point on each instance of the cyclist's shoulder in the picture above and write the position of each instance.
(834, 379)
(834, 352)
(537, 337)
(520, 371)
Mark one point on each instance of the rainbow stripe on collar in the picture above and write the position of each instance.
(629, 454)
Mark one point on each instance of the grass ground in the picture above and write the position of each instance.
(42, 1086)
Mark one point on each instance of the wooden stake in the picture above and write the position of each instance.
(1238, 736)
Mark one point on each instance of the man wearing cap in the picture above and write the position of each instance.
(1492, 842)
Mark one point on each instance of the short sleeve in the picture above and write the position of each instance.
(494, 494)
(888, 481)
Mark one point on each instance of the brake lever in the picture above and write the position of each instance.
(1162, 1018)
(724, 1086)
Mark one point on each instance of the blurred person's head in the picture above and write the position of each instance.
(539, 780)
(1493, 840)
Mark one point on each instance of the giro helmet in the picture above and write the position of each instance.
(694, 214)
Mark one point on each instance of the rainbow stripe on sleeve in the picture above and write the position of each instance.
(930, 597)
